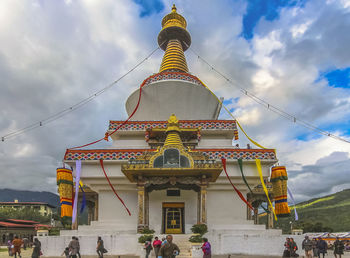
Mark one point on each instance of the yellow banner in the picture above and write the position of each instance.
(258, 165)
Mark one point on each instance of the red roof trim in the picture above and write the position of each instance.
(111, 150)
(238, 150)
(164, 122)
(14, 225)
(142, 150)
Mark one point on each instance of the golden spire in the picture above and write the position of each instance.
(173, 130)
(174, 39)
(174, 58)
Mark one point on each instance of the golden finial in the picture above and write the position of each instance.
(173, 124)
(173, 9)
(174, 27)
(173, 120)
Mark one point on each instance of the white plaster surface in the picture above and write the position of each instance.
(185, 99)
(267, 242)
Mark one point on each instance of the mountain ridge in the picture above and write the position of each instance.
(326, 213)
(9, 195)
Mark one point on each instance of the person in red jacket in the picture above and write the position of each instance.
(157, 245)
(206, 248)
(17, 243)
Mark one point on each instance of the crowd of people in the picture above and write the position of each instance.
(14, 247)
(165, 248)
(315, 247)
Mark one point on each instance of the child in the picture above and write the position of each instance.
(66, 252)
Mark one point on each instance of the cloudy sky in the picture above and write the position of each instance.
(293, 54)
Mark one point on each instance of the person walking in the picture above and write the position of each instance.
(9, 247)
(17, 243)
(25, 243)
(157, 244)
(293, 248)
(169, 249)
(100, 249)
(36, 248)
(321, 247)
(148, 247)
(78, 247)
(314, 247)
(73, 247)
(307, 247)
(338, 248)
(206, 248)
(286, 252)
(66, 252)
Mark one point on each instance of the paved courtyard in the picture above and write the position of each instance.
(27, 254)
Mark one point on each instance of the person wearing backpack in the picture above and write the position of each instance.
(148, 247)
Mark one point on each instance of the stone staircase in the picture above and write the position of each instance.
(184, 245)
(181, 240)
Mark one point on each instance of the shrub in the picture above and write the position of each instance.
(196, 239)
(200, 229)
(147, 231)
(144, 238)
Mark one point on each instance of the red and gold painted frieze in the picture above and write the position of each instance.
(127, 154)
(172, 76)
(202, 124)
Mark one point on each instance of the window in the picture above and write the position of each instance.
(173, 192)
(171, 159)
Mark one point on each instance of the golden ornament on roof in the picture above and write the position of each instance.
(174, 19)
(174, 27)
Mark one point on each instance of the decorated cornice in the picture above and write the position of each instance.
(163, 76)
(127, 154)
(202, 124)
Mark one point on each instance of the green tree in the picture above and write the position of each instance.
(24, 214)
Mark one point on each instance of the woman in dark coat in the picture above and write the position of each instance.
(36, 248)
(100, 249)
(338, 247)
(321, 246)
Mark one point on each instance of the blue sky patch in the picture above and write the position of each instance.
(338, 78)
(149, 7)
(269, 9)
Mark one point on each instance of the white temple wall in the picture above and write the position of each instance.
(249, 169)
(225, 208)
(181, 97)
(156, 198)
(212, 141)
(130, 142)
(112, 211)
(93, 169)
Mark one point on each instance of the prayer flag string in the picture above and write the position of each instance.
(228, 111)
(258, 165)
(121, 125)
(237, 191)
(240, 163)
(83, 202)
(77, 179)
(110, 184)
(293, 201)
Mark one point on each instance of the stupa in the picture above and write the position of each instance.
(166, 165)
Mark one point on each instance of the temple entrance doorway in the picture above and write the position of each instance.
(173, 217)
